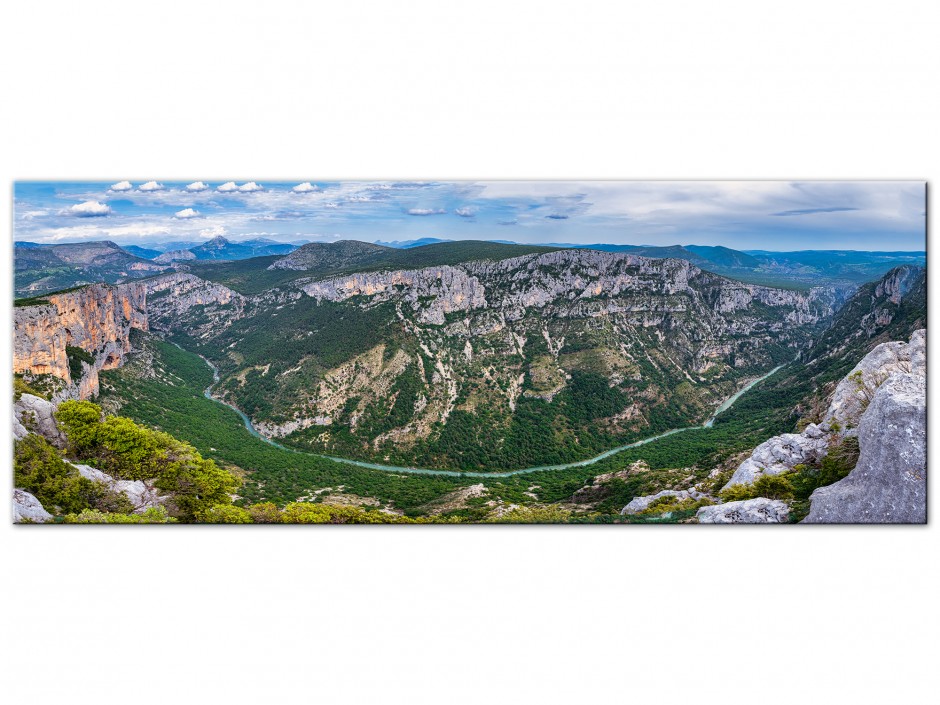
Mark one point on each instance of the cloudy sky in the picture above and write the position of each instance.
(768, 215)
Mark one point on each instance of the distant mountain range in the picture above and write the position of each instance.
(218, 248)
(42, 268)
(39, 269)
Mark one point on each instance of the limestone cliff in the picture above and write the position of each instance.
(184, 301)
(97, 318)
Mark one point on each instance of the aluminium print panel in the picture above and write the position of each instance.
(469, 352)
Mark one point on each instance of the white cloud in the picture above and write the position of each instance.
(250, 187)
(187, 213)
(228, 187)
(305, 187)
(150, 186)
(215, 231)
(465, 212)
(425, 211)
(197, 186)
(122, 186)
(89, 209)
(30, 215)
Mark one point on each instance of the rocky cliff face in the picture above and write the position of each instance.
(889, 483)
(184, 301)
(582, 281)
(96, 318)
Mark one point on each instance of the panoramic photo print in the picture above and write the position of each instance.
(469, 352)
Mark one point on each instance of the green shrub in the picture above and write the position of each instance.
(306, 513)
(128, 451)
(154, 515)
(20, 387)
(39, 469)
(534, 515)
(265, 513)
(768, 486)
(76, 357)
(673, 505)
(225, 514)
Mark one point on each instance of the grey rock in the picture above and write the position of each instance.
(639, 504)
(849, 401)
(26, 508)
(780, 454)
(36, 415)
(143, 495)
(749, 511)
(855, 392)
(889, 482)
(185, 301)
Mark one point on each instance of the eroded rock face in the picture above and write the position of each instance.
(889, 482)
(575, 276)
(26, 508)
(36, 415)
(175, 299)
(639, 504)
(96, 318)
(856, 391)
(452, 289)
(749, 511)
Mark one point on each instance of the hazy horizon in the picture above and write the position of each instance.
(772, 216)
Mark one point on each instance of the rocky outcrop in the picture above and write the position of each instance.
(445, 289)
(142, 495)
(184, 301)
(854, 393)
(536, 281)
(639, 504)
(749, 511)
(889, 482)
(96, 318)
(31, 414)
(174, 256)
(849, 401)
(781, 454)
(28, 509)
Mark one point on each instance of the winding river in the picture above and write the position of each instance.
(725, 405)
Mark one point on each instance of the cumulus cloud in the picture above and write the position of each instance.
(250, 187)
(122, 186)
(425, 211)
(557, 216)
(197, 186)
(150, 186)
(465, 212)
(228, 187)
(89, 209)
(187, 213)
(215, 231)
(305, 187)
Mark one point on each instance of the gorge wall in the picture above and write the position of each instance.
(97, 318)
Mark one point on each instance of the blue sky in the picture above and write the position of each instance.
(767, 215)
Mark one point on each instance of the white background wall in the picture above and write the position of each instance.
(489, 89)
